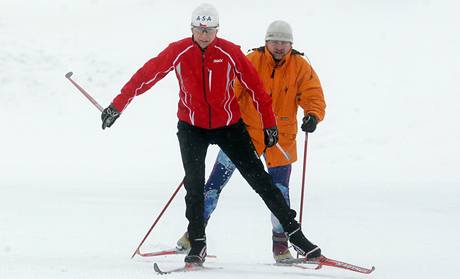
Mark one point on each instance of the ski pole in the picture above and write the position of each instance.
(302, 191)
(83, 91)
(285, 154)
(157, 219)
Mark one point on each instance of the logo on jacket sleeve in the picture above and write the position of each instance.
(218, 60)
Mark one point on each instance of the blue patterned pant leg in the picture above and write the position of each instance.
(221, 173)
(280, 176)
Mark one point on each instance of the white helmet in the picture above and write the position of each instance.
(205, 15)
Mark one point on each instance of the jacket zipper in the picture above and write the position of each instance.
(204, 87)
(273, 72)
(277, 64)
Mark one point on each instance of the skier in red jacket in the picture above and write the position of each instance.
(208, 113)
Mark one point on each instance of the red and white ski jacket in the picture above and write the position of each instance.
(205, 81)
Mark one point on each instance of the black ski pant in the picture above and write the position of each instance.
(234, 140)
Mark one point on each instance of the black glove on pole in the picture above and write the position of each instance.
(108, 116)
(309, 123)
(270, 136)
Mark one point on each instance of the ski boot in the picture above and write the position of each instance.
(197, 253)
(183, 244)
(303, 246)
(280, 247)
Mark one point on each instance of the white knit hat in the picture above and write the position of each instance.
(205, 15)
(279, 30)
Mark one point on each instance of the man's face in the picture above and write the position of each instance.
(278, 49)
(203, 36)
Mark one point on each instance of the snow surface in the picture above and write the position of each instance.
(382, 182)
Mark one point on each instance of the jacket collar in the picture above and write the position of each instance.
(211, 45)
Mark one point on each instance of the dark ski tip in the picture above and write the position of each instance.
(68, 75)
(185, 268)
(158, 270)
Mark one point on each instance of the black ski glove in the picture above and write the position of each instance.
(108, 116)
(309, 123)
(270, 136)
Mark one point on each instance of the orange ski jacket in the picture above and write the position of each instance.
(291, 83)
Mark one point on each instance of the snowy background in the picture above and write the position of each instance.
(383, 168)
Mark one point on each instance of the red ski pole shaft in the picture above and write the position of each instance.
(83, 91)
(304, 171)
(158, 218)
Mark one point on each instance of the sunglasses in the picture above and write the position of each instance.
(203, 30)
